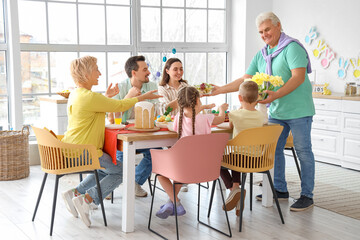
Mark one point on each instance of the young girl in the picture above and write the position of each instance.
(188, 122)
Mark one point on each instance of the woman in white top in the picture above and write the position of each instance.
(170, 83)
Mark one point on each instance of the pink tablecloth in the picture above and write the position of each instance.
(110, 143)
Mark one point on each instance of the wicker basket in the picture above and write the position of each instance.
(14, 154)
(64, 94)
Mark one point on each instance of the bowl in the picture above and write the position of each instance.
(64, 94)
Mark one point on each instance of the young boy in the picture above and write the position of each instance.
(245, 117)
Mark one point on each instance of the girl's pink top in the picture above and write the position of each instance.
(202, 124)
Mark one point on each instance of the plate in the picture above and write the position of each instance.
(161, 124)
(144, 129)
(224, 125)
(115, 126)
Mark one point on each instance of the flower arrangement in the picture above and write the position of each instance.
(266, 82)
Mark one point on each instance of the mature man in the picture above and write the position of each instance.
(291, 105)
(137, 83)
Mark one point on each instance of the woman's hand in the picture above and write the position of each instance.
(133, 92)
(149, 95)
(110, 92)
(215, 90)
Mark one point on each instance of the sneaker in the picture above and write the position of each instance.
(184, 188)
(139, 192)
(83, 208)
(232, 199)
(302, 204)
(179, 209)
(280, 195)
(238, 208)
(93, 206)
(166, 210)
(108, 197)
(68, 196)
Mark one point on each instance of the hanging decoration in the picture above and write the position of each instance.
(356, 65)
(343, 65)
(311, 36)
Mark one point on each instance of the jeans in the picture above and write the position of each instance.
(301, 129)
(110, 178)
(143, 170)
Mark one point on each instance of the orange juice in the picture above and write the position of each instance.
(118, 121)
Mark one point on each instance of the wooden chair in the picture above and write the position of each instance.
(252, 151)
(193, 159)
(61, 158)
(290, 146)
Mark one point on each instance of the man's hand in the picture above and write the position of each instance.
(272, 96)
(148, 95)
(110, 92)
(133, 92)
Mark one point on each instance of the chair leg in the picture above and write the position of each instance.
(39, 197)
(149, 181)
(242, 199)
(151, 208)
(251, 190)
(175, 210)
(80, 176)
(227, 218)
(296, 162)
(211, 197)
(100, 196)
(54, 203)
(207, 185)
(275, 196)
(112, 197)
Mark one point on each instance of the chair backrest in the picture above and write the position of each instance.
(192, 159)
(253, 149)
(61, 158)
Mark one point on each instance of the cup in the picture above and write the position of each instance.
(118, 118)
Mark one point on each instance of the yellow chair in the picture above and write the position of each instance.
(290, 146)
(252, 151)
(61, 158)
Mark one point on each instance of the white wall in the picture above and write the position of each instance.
(336, 22)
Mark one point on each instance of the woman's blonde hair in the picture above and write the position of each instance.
(267, 16)
(187, 98)
(80, 68)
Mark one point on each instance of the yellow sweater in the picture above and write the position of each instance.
(86, 116)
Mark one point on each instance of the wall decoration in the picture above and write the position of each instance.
(311, 35)
(320, 48)
(356, 65)
(318, 89)
(343, 65)
(329, 56)
(326, 91)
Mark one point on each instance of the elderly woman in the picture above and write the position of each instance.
(291, 105)
(86, 112)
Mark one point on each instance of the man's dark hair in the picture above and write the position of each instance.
(131, 64)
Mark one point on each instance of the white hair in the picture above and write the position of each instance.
(267, 16)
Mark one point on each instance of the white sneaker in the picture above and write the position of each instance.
(139, 192)
(68, 196)
(184, 188)
(83, 209)
(93, 206)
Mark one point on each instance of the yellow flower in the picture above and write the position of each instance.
(276, 81)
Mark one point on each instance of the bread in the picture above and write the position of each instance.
(144, 115)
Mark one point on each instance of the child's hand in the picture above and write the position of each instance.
(223, 107)
(210, 106)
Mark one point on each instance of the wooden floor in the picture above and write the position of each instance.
(18, 198)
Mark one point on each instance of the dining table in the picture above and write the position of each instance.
(130, 142)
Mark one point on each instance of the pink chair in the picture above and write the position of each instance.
(193, 159)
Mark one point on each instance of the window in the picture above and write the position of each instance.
(54, 32)
(49, 42)
(4, 95)
(193, 31)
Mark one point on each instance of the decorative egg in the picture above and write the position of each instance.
(173, 50)
(164, 59)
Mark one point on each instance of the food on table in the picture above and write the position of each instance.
(144, 115)
(226, 114)
(204, 88)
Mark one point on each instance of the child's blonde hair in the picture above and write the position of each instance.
(187, 98)
(248, 90)
(81, 67)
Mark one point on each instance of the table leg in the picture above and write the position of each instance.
(267, 196)
(128, 199)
